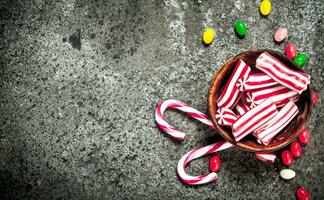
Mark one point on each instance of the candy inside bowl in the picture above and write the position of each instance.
(249, 142)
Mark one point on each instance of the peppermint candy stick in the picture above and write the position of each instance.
(225, 117)
(241, 108)
(171, 103)
(269, 130)
(253, 119)
(255, 81)
(196, 153)
(230, 94)
(267, 156)
(287, 77)
(279, 95)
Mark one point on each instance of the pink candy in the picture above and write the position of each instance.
(231, 94)
(269, 130)
(225, 117)
(280, 34)
(287, 77)
(279, 95)
(255, 81)
(253, 119)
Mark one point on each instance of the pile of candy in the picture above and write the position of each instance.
(257, 98)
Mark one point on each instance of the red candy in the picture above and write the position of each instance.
(286, 158)
(291, 51)
(296, 149)
(214, 164)
(315, 98)
(304, 136)
(302, 194)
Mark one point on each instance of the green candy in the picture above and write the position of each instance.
(240, 28)
(300, 59)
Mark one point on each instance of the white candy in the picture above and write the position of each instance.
(287, 174)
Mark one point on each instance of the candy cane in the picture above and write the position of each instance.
(171, 103)
(196, 153)
(231, 94)
(255, 81)
(225, 117)
(267, 156)
(282, 74)
(253, 119)
(270, 129)
(279, 95)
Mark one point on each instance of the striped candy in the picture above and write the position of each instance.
(225, 117)
(287, 77)
(241, 107)
(196, 153)
(231, 94)
(267, 156)
(253, 119)
(279, 95)
(255, 81)
(269, 130)
(171, 103)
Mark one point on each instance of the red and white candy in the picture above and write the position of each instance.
(231, 94)
(287, 77)
(196, 153)
(279, 95)
(266, 156)
(269, 130)
(255, 81)
(225, 117)
(253, 119)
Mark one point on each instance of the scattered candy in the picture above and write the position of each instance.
(287, 77)
(214, 164)
(171, 103)
(196, 153)
(240, 28)
(301, 59)
(279, 95)
(286, 158)
(209, 35)
(302, 194)
(265, 7)
(296, 149)
(287, 174)
(230, 94)
(304, 136)
(253, 119)
(225, 117)
(291, 51)
(280, 34)
(315, 98)
(267, 156)
(270, 129)
(255, 81)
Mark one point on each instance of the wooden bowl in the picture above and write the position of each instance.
(249, 143)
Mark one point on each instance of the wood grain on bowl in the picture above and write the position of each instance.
(249, 143)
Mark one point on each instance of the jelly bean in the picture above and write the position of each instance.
(300, 59)
(296, 149)
(287, 174)
(240, 28)
(302, 194)
(265, 7)
(286, 158)
(209, 35)
(280, 34)
(214, 164)
(291, 51)
(304, 136)
(315, 98)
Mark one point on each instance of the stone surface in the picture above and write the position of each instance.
(80, 81)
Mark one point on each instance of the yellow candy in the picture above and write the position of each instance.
(265, 7)
(209, 35)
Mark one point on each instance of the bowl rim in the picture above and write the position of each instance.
(211, 99)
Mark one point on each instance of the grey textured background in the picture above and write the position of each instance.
(80, 81)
